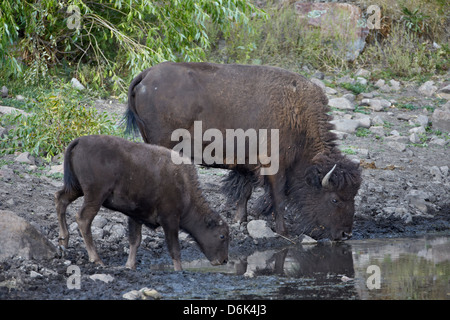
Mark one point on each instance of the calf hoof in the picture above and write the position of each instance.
(60, 251)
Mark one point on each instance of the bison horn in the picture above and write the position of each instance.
(325, 180)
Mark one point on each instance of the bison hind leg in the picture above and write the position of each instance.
(84, 219)
(62, 201)
(238, 187)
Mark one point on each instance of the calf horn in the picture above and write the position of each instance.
(325, 180)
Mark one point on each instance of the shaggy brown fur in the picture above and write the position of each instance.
(170, 96)
(141, 181)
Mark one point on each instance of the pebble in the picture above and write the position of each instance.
(428, 88)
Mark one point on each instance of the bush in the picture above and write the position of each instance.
(109, 42)
(56, 121)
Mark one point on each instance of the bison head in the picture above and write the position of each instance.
(213, 239)
(325, 194)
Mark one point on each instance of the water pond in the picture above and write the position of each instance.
(391, 268)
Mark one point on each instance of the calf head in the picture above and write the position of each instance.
(327, 199)
(213, 239)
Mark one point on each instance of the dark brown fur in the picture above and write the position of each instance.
(169, 96)
(141, 181)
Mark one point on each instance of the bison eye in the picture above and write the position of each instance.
(222, 236)
(334, 200)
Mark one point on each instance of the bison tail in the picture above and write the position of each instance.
(131, 118)
(71, 183)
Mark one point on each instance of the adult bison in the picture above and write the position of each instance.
(142, 182)
(312, 172)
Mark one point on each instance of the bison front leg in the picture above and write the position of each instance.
(171, 229)
(278, 198)
(134, 238)
(84, 219)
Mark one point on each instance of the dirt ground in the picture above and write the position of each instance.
(402, 194)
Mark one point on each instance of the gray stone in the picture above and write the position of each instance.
(25, 157)
(380, 83)
(377, 130)
(9, 110)
(19, 238)
(436, 173)
(341, 103)
(444, 170)
(318, 83)
(117, 232)
(399, 146)
(361, 81)
(4, 92)
(330, 91)
(441, 118)
(345, 125)
(377, 121)
(106, 278)
(414, 138)
(422, 120)
(307, 240)
(77, 84)
(428, 88)
(444, 92)
(259, 229)
(395, 85)
(418, 199)
(362, 73)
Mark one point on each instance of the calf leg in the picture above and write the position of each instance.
(62, 200)
(134, 238)
(84, 219)
(171, 227)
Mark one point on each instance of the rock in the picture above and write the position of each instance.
(106, 278)
(4, 92)
(307, 240)
(318, 83)
(437, 141)
(259, 229)
(414, 138)
(59, 168)
(117, 232)
(338, 22)
(444, 92)
(364, 122)
(330, 91)
(377, 121)
(376, 104)
(345, 125)
(350, 97)
(422, 120)
(99, 222)
(418, 130)
(6, 174)
(77, 84)
(362, 73)
(418, 199)
(399, 146)
(377, 130)
(361, 81)
(444, 170)
(19, 238)
(9, 110)
(341, 103)
(25, 157)
(340, 135)
(441, 118)
(395, 85)
(380, 83)
(428, 88)
(143, 294)
(436, 173)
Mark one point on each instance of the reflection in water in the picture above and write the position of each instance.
(408, 269)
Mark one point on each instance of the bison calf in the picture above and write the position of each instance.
(141, 181)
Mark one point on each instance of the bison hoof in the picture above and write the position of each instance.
(60, 251)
